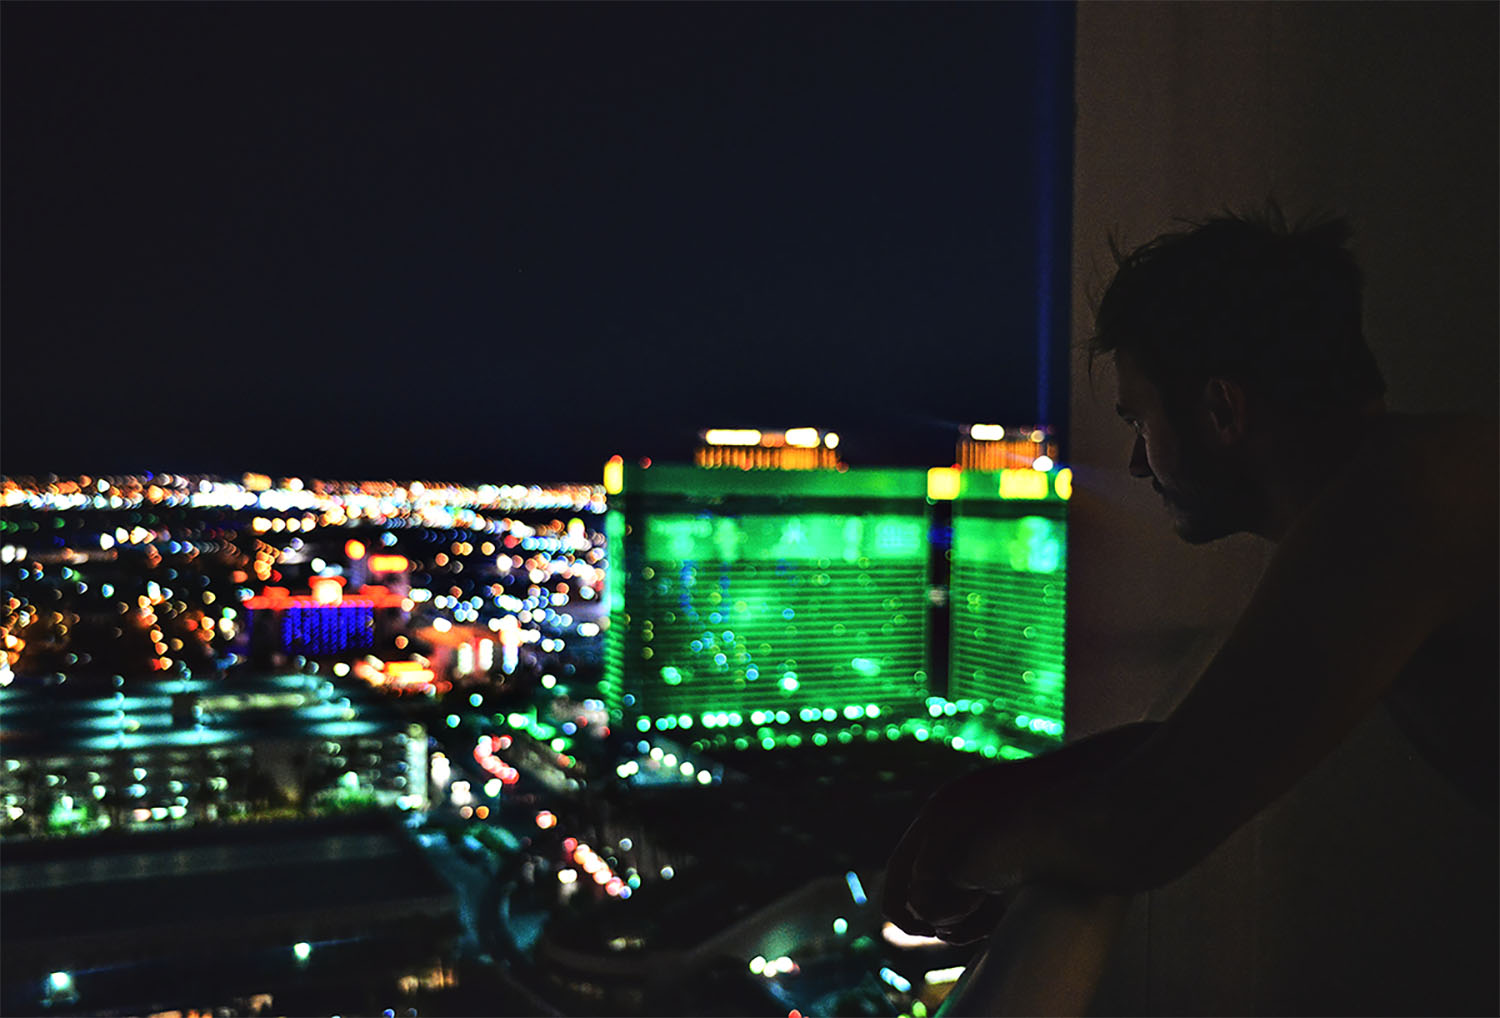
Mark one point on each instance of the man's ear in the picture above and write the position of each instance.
(1228, 408)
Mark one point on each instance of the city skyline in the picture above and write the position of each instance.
(546, 724)
(509, 241)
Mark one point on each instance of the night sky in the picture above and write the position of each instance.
(502, 242)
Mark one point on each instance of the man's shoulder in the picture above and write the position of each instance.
(1424, 492)
(1416, 463)
(1416, 444)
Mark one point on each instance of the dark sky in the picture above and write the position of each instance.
(502, 242)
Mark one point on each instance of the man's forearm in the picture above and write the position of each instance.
(1097, 818)
(1143, 819)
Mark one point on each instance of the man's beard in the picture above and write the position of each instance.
(1214, 503)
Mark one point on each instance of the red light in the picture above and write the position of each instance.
(570, 845)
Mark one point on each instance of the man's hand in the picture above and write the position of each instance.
(979, 838)
(933, 887)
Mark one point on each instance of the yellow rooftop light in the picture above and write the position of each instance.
(614, 475)
(804, 438)
(1023, 484)
(942, 483)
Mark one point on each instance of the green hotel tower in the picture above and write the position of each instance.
(762, 604)
(1007, 593)
(762, 601)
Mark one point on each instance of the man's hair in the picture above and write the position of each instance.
(1249, 298)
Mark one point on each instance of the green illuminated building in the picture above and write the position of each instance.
(757, 601)
(1007, 592)
(756, 606)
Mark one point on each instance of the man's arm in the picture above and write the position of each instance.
(1384, 558)
(973, 811)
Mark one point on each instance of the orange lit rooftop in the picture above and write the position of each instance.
(997, 447)
(752, 448)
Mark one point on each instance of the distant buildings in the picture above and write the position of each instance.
(267, 918)
(753, 599)
(995, 447)
(770, 597)
(1006, 595)
(323, 622)
(792, 449)
(184, 752)
(752, 603)
(205, 806)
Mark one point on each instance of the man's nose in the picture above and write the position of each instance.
(1139, 465)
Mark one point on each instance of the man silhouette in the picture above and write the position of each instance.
(1257, 407)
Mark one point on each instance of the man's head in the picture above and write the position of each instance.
(1230, 336)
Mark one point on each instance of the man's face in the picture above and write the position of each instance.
(1207, 497)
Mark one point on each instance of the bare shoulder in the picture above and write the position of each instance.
(1440, 454)
(1423, 494)
(1446, 698)
(1399, 547)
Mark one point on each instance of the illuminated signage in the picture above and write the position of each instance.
(943, 483)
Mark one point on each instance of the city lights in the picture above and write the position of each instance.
(797, 620)
(731, 436)
(752, 449)
(565, 703)
(896, 979)
(943, 483)
(856, 889)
